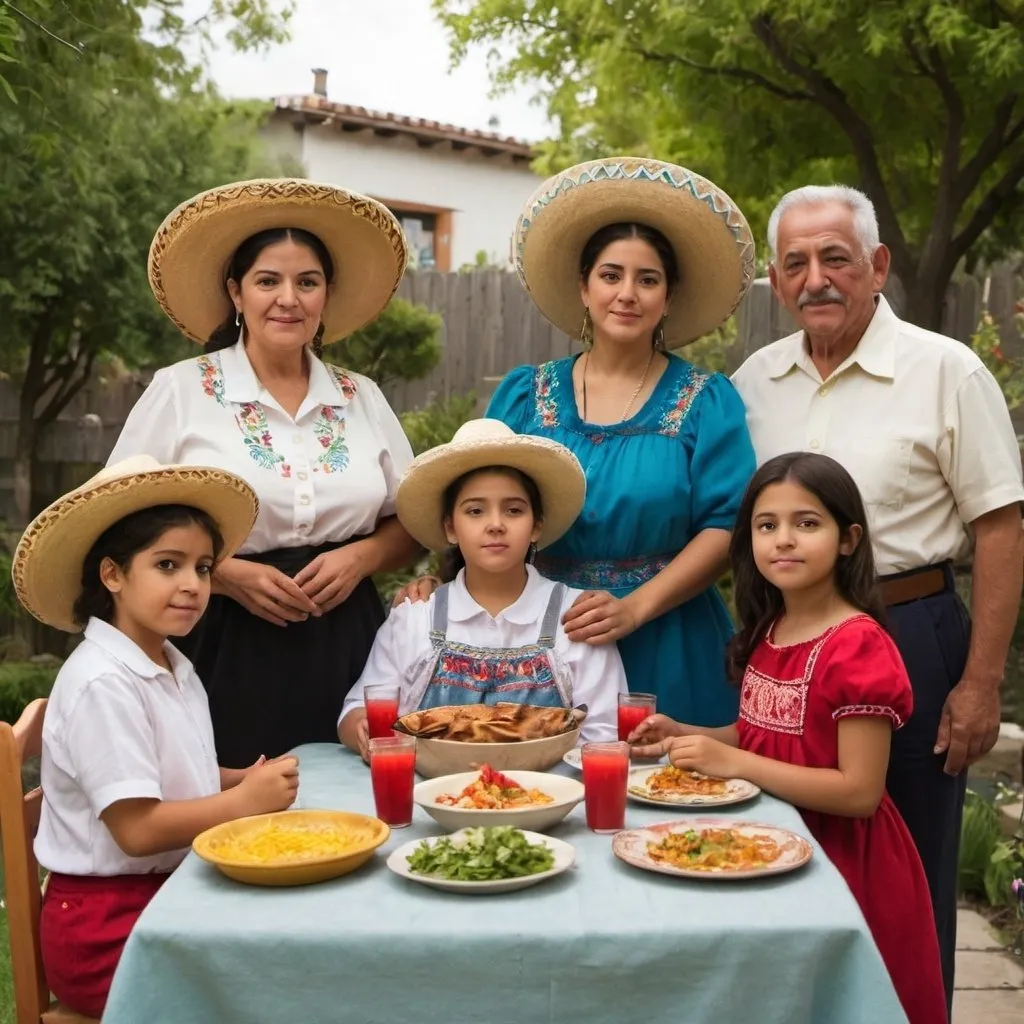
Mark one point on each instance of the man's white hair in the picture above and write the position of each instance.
(865, 223)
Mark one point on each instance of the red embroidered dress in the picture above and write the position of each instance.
(791, 702)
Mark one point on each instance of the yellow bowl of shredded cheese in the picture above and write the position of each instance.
(292, 847)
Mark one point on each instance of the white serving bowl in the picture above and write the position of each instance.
(567, 794)
(446, 757)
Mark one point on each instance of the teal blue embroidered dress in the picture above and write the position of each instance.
(679, 466)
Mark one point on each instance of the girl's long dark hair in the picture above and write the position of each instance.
(452, 560)
(226, 334)
(758, 602)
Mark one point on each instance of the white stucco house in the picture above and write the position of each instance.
(456, 191)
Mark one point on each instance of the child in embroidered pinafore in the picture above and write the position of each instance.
(492, 633)
(822, 686)
(129, 770)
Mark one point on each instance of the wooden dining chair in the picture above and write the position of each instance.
(19, 819)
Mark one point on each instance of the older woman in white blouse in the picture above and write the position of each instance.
(264, 273)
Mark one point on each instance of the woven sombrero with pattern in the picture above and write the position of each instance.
(709, 234)
(189, 256)
(47, 565)
(477, 445)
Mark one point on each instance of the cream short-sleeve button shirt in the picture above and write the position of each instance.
(915, 417)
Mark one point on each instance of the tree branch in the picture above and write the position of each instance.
(1005, 191)
(71, 386)
(42, 28)
(989, 148)
(743, 74)
(828, 95)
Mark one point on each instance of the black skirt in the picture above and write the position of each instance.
(272, 687)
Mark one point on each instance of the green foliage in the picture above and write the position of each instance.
(20, 683)
(401, 344)
(482, 261)
(765, 95)
(711, 353)
(979, 835)
(436, 423)
(426, 428)
(1008, 372)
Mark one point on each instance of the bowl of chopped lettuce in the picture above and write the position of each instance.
(483, 860)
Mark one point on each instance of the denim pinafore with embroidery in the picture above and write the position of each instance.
(464, 674)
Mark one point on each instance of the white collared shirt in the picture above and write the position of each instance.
(119, 727)
(402, 654)
(328, 474)
(915, 417)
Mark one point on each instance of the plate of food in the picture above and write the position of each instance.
(483, 860)
(660, 785)
(533, 800)
(291, 847)
(574, 759)
(713, 848)
(456, 738)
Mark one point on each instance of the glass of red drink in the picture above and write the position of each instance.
(381, 702)
(605, 771)
(392, 770)
(633, 709)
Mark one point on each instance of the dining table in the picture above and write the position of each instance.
(601, 943)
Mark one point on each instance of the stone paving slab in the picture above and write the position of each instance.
(988, 1006)
(974, 932)
(975, 969)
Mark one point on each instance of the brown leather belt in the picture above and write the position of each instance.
(902, 589)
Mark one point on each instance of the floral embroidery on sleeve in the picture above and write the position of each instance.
(673, 417)
(212, 378)
(545, 394)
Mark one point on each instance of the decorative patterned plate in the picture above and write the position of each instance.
(736, 791)
(632, 847)
(574, 759)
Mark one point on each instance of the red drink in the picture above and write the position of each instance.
(381, 702)
(633, 709)
(605, 772)
(392, 767)
(381, 716)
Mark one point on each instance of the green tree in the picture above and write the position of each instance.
(401, 344)
(98, 148)
(920, 104)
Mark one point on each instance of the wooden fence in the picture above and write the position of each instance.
(490, 326)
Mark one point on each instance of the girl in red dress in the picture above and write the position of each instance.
(822, 688)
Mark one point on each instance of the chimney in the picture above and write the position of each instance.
(320, 82)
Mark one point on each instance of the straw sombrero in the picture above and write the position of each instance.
(189, 257)
(47, 565)
(710, 236)
(479, 443)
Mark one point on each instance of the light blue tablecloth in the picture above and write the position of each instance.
(604, 943)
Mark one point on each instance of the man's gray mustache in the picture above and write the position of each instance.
(824, 298)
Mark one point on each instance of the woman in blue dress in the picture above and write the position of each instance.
(638, 257)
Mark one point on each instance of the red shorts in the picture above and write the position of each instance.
(84, 925)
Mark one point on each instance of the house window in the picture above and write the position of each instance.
(428, 230)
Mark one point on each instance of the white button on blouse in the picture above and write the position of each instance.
(327, 474)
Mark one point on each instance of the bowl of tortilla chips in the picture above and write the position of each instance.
(509, 737)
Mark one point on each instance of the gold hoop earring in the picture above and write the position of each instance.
(587, 330)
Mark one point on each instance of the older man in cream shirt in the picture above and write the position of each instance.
(923, 428)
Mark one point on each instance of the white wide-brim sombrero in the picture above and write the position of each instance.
(476, 445)
(710, 236)
(189, 256)
(47, 565)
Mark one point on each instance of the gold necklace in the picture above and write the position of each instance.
(636, 391)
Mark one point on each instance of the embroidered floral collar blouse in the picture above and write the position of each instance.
(325, 475)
